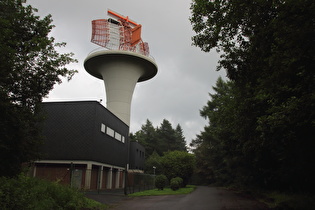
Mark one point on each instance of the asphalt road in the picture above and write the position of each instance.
(203, 198)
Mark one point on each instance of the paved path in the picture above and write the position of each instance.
(203, 198)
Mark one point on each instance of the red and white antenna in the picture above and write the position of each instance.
(120, 33)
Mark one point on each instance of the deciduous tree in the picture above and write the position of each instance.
(267, 49)
(178, 164)
(30, 67)
(153, 164)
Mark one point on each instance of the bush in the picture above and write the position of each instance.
(176, 183)
(181, 181)
(160, 181)
(30, 193)
(178, 164)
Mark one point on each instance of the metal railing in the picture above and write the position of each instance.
(105, 48)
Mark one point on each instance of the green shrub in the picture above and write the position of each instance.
(176, 183)
(30, 193)
(181, 181)
(160, 181)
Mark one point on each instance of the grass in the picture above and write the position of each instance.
(167, 191)
(92, 204)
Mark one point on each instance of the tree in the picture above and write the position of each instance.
(178, 164)
(154, 160)
(180, 138)
(147, 137)
(161, 139)
(166, 136)
(30, 67)
(216, 148)
(267, 49)
(170, 139)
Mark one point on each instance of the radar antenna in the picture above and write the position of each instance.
(119, 33)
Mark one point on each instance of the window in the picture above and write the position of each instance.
(110, 132)
(103, 128)
(117, 136)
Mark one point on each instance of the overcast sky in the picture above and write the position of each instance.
(185, 74)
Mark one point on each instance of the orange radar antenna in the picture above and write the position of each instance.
(119, 16)
(119, 34)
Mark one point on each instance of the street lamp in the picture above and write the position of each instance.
(154, 170)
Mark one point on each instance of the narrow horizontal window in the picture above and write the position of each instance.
(110, 131)
(117, 136)
(103, 128)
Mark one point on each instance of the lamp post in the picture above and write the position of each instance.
(154, 170)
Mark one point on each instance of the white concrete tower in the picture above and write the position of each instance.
(122, 61)
(120, 70)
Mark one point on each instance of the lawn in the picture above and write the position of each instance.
(167, 191)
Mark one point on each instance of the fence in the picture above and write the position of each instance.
(137, 182)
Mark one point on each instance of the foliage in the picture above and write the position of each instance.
(30, 67)
(267, 49)
(167, 191)
(153, 160)
(30, 193)
(180, 139)
(216, 151)
(160, 181)
(161, 139)
(176, 183)
(146, 137)
(278, 200)
(178, 164)
(170, 139)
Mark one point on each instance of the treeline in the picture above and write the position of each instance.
(245, 145)
(161, 144)
(161, 139)
(262, 120)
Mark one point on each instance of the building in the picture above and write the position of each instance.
(136, 157)
(85, 145)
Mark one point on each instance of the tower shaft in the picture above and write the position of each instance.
(120, 71)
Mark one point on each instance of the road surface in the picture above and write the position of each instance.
(203, 198)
